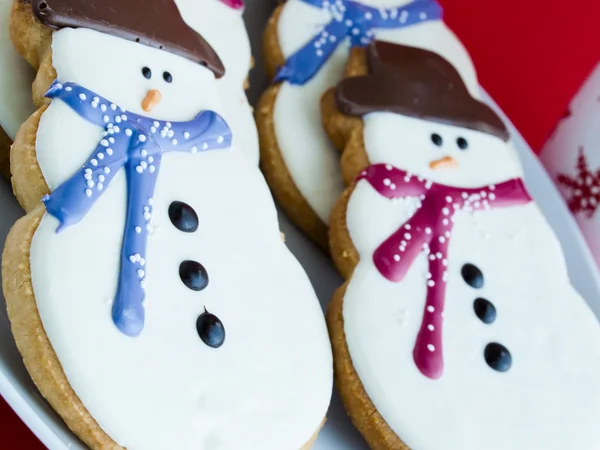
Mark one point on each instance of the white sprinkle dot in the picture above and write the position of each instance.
(319, 52)
(123, 116)
(387, 181)
(445, 211)
(109, 151)
(442, 239)
(105, 118)
(101, 178)
(396, 257)
(152, 169)
(431, 283)
(194, 149)
(144, 164)
(153, 129)
(186, 135)
(144, 153)
(104, 143)
(100, 186)
(156, 124)
(438, 255)
(170, 133)
(128, 132)
(106, 170)
(103, 108)
(445, 222)
(427, 230)
(449, 199)
(100, 156)
(492, 196)
(142, 138)
(205, 146)
(447, 234)
(432, 257)
(93, 162)
(68, 89)
(220, 139)
(430, 309)
(445, 262)
(118, 119)
(150, 159)
(141, 273)
(407, 236)
(132, 258)
(88, 192)
(430, 347)
(407, 226)
(174, 142)
(138, 230)
(168, 124)
(113, 106)
(430, 327)
(82, 96)
(90, 183)
(139, 169)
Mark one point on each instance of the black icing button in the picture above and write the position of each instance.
(472, 275)
(194, 275)
(497, 357)
(183, 217)
(210, 329)
(485, 310)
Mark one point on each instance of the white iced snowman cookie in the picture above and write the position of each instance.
(306, 45)
(458, 327)
(151, 297)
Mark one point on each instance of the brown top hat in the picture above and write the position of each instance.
(417, 83)
(155, 23)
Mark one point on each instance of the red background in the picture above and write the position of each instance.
(531, 55)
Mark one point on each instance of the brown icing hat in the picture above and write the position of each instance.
(417, 83)
(155, 23)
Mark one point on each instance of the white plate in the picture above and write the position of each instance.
(18, 390)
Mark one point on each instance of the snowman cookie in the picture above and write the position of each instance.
(306, 46)
(55, 54)
(457, 327)
(146, 314)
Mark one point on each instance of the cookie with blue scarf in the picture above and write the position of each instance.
(149, 292)
(306, 46)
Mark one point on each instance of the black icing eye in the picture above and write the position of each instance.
(472, 275)
(485, 310)
(194, 275)
(183, 217)
(497, 357)
(210, 329)
(437, 139)
(147, 72)
(168, 77)
(462, 143)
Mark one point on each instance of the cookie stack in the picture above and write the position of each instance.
(452, 328)
(149, 290)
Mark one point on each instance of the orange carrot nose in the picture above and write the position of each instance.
(152, 99)
(447, 162)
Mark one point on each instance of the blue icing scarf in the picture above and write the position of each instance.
(356, 22)
(135, 143)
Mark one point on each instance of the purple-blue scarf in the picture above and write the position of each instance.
(354, 21)
(135, 143)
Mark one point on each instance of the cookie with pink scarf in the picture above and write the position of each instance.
(457, 326)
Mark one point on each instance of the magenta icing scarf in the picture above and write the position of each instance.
(429, 230)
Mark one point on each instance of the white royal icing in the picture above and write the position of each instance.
(310, 158)
(16, 77)
(549, 398)
(269, 385)
(223, 28)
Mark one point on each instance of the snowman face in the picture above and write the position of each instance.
(138, 78)
(441, 153)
